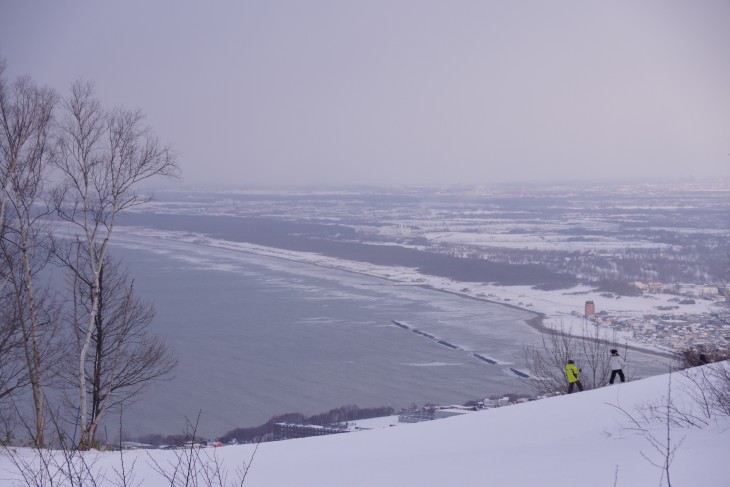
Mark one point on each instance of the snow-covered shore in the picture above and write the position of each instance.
(562, 308)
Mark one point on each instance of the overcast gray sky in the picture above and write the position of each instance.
(401, 92)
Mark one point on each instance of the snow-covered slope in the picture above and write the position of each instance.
(582, 439)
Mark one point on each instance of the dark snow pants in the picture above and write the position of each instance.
(620, 376)
(577, 383)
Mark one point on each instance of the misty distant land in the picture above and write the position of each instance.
(549, 238)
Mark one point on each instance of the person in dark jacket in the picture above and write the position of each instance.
(571, 372)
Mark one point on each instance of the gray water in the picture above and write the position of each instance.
(258, 336)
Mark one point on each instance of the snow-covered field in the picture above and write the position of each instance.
(582, 439)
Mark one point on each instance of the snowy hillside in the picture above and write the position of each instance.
(582, 439)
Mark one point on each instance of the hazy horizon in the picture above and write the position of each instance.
(523, 185)
(322, 93)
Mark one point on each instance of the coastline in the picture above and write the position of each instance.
(538, 322)
(393, 274)
(389, 280)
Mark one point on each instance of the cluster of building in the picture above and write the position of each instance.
(676, 333)
(668, 329)
(694, 290)
(287, 431)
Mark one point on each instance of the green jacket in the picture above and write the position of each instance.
(571, 371)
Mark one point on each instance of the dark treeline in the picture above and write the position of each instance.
(265, 432)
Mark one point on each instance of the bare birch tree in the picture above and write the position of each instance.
(26, 112)
(102, 157)
(124, 356)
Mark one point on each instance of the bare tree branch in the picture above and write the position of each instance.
(102, 156)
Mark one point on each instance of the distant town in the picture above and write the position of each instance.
(670, 328)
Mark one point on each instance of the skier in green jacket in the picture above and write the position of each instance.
(571, 372)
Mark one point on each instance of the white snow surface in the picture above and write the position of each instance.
(581, 439)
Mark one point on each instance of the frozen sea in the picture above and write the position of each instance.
(258, 336)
